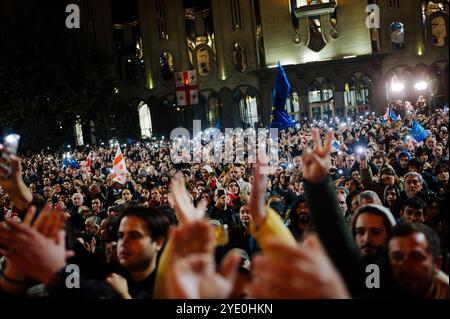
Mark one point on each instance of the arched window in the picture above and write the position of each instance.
(321, 96)
(350, 92)
(213, 111)
(248, 106)
(327, 90)
(292, 104)
(145, 120)
(397, 31)
(166, 64)
(364, 90)
(239, 58)
(79, 132)
(314, 94)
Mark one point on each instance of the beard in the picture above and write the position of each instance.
(376, 251)
(412, 285)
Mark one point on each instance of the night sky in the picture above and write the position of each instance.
(124, 10)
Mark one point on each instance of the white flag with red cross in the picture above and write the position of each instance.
(187, 88)
(119, 170)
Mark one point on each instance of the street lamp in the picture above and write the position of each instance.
(421, 85)
(397, 86)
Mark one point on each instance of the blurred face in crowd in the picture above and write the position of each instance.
(297, 161)
(342, 203)
(96, 206)
(233, 188)
(47, 181)
(404, 161)
(387, 179)
(206, 198)
(368, 200)
(138, 188)
(423, 157)
(412, 215)
(205, 174)
(351, 186)
(245, 215)
(350, 160)
(66, 185)
(391, 197)
(412, 265)
(302, 211)
(430, 143)
(155, 195)
(91, 228)
(135, 247)
(371, 233)
(48, 191)
(443, 133)
(341, 192)
(437, 152)
(164, 179)
(378, 162)
(412, 185)
(77, 199)
(57, 188)
(236, 173)
(356, 175)
(145, 193)
(443, 175)
(126, 195)
(103, 230)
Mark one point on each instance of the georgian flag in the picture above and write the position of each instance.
(187, 88)
(86, 167)
(119, 170)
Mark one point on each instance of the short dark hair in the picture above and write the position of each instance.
(406, 229)
(416, 163)
(439, 167)
(157, 223)
(415, 202)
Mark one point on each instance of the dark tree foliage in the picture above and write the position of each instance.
(52, 75)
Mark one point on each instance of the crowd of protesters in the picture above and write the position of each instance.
(344, 194)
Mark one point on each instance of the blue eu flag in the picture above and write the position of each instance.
(71, 162)
(418, 132)
(393, 116)
(280, 118)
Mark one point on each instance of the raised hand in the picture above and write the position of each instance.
(11, 179)
(183, 204)
(49, 222)
(192, 237)
(257, 204)
(191, 270)
(35, 255)
(316, 163)
(119, 284)
(296, 272)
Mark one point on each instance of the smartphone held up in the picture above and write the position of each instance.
(9, 147)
